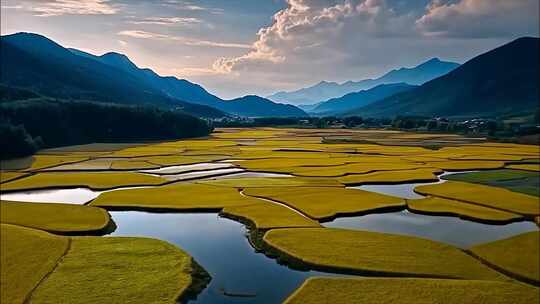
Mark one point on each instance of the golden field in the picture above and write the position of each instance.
(288, 182)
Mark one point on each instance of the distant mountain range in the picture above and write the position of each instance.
(37, 63)
(341, 105)
(251, 106)
(502, 81)
(324, 90)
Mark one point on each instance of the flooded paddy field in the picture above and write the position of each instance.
(253, 214)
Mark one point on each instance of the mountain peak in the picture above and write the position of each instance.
(35, 43)
(119, 60)
(326, 90)
(115, 55)
(435, 61)
(325, 83)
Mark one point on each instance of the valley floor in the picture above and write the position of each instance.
(267, 215)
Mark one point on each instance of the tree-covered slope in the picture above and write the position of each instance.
(252, 106)
(30, 124)
(34, 62)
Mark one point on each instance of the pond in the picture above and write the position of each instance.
(201, 174)
(66, 196)
(188, 168)
(445, 229)
(403, 190)
(221, 247)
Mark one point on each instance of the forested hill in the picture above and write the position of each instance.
(29, 122)
(39, 64)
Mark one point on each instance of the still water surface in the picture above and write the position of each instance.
(445, 229)
(65, 196)
(221, 247)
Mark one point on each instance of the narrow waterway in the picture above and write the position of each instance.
(222, 248)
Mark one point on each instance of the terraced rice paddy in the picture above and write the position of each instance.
(303, 198)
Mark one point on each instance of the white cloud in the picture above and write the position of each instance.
(12, 7)
(318, 30)
(72, 7)
(340, 40)
(480, 18)
(193, 71)
(168, 21)
(143, 34)
(190, 6)
(180, 39)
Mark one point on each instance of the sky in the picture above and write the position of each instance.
(239, 47)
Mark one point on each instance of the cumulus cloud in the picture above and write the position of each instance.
(480, 18)
(331, 30)
(180, 39)
(72, 7)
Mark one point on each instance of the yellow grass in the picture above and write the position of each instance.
(319, 290)
(93, 180)
(442, 206)
(62, 218)
(266, 153)
(47, 161)
(272, 182)
(355, 168)
(501, 157)
(174, 160)
(27, 256)
(271, 163)
(461, 165)
(253, 133)
(117, 270)
(324, 203)
(132, 165)
(149, 150)
(518, 255)
(6, 176)
(268, 215)
(186, 196)
(526, 167)
(92, 164)
(494, 197)
(399, 176)
(377, 253)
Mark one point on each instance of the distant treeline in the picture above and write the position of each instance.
(314, 122)
(257, 122)
(29, 125)
(498, 128)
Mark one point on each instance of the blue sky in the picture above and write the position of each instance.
(238, 47)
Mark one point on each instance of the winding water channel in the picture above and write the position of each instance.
(222, 248)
